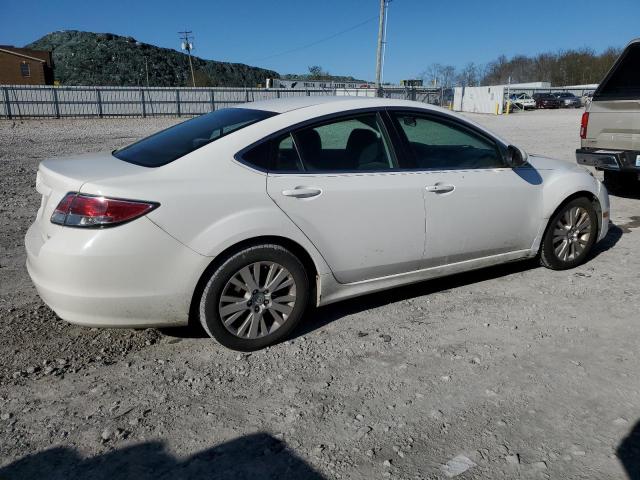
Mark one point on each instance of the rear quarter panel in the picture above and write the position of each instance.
(209, 201)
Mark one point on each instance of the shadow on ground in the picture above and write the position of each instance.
(629, 453)
(250, 457)
(325, 315)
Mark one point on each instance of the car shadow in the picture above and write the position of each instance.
(322, 316)
(609, 241)
(253, 456)
(629, 453)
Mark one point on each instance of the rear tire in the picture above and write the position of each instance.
(255, 298)
(570, 235)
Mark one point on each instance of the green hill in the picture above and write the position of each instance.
(86, 58)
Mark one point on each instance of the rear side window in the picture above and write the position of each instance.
(623, 83)
(346, 145)
(278, 154)
(442, 145)
(168, 145)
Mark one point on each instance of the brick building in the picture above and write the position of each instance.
(22, 66)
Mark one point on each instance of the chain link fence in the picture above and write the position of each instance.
(21, 101)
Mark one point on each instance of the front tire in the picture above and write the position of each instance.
(255, 298)
(570, 235)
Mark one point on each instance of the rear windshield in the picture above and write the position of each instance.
(623, 83)
(175, 142)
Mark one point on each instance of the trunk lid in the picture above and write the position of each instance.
(58, 176)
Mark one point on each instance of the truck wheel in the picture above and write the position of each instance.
(570, 235)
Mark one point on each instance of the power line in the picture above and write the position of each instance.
(312, 44)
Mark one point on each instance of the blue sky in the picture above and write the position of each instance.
(420, 32)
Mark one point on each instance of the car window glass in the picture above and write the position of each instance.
(624, 81)
(168, 145)
(258, 156)
(444, 146)
(286, 157)
(355, 144)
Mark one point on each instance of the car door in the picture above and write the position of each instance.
(475, 205)
(338, 181)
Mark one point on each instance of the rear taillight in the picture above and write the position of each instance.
(77, 210)
(583, 125)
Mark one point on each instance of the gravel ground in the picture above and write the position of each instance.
(509, 372)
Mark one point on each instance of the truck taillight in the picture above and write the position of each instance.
(583, 125)
(77, 210)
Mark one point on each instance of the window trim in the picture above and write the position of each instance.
(318, 121)
(443, 119)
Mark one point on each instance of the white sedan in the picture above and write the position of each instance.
(242, 218)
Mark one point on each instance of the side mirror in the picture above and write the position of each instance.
(516, 157)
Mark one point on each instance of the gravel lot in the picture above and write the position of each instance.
(510, 372)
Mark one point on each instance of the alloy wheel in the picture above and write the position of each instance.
(257, 300)
(571, 234)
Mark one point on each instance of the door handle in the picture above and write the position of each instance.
(440, 188)
(302, 192)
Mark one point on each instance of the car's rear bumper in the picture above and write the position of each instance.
(603, 159)
(133, 275)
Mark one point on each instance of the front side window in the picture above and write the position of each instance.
(25, 69)
(442, 145)
(168, 145)
(347, 145)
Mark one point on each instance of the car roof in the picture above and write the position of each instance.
(329, 105)
(282, 105)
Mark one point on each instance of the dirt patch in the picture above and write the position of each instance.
(509, 372)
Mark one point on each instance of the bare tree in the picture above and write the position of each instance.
(317, 73)
(438, 75)
(568, 67)
(468, 76)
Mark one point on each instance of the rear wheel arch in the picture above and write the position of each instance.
(291, 245)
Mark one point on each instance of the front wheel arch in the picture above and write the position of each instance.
(595, 203)
(583, 193)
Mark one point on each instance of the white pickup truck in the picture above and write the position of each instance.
(610, 126)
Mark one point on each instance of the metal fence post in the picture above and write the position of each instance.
(7, 104)
(99, 101)
(56, 105)
(308, 93)
(178, 101)
(144, 106)
(213, 100)
(246, 95)
(277, 93)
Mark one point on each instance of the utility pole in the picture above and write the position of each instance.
(146, 69)
(187, 45)
(381, 41)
